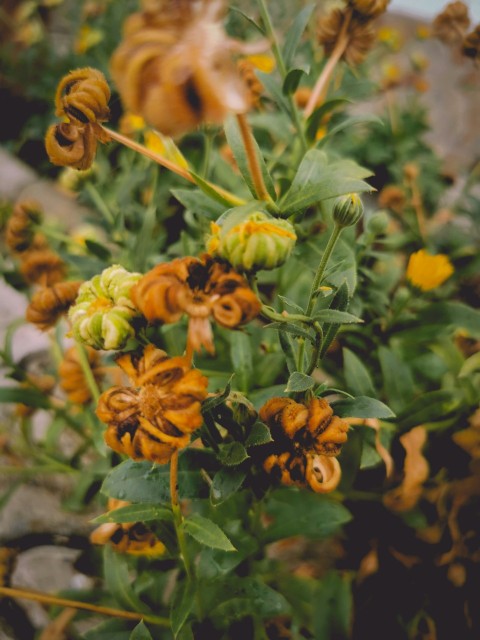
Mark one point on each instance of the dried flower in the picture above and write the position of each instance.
(392, 197)
(173, 67)
(43, 267)
(68, 145)
(72, 376)
(451, 25)
(471, 44)
(306, 438)
(360, 34)
(104, 311)
(257, 242)
(49, 303)
(133, 538)
(201, 289)
(369, 8)
(247, 73)
(20, 228)
(427, 271)
(156, 416)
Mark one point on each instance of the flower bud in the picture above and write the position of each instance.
(347, 210)
(103, 311)
(378, 223)
(257, 242)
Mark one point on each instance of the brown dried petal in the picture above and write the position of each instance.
(19, 231)
(471, 44)
(49, 303)
(68, 145)
(452, 23)
(369, 8)
(42, 267)
(72, 377)
(82, 96)
(360, 33)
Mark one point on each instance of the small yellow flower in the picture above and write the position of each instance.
(262, 62)
(391, 37)
(87, 38)
(423, 31)
(426, 271)
(164, 146)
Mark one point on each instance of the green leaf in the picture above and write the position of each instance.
(182, 603)
(301, 513)
(248, 19)
(347, 123)
(356, 374)
(397, 379)
(118, 582)
(340, 302)
(198, 202)
(293, 305)
(290, 327)
(29, 397)
(226, 483)
(335, 316)
(470, 365)
(207, 533)
(259, 434)
(429, 407)
(299, 382)
(287, 347)
(273, 87)
(332, 613)
(98, 250)
(140, 632)
(315, 119)
(211, 192)
(362, 407)
(232, 454)
(242, 597)
(135, 513)
(212, 403)
(294, 34)
(235, 141)
(317, 180)
(241, 357)
(292, 79)
(453, 314)
(150, 484)
(109, 630)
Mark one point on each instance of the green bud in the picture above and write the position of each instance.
(102, 314)
(377, 223)
(347, 210)
(259, 241)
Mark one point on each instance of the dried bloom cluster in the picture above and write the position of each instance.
(306, 439)
(82, 99)
(369, 8)
(20, 228)
(451, 25)
(72, 376)
(427, 271)
(173, 66)
(200, 288)
(50, 303)
(156, 416)
(103, 312)
(133, 538)
(471, 44)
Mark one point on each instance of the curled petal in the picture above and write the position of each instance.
(49, 303)
(83, 96)
(323, 473)
(68, 145)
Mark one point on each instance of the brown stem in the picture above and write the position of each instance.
(57, 628)
(253, 164)
(45, 598)
(174, 479)
(321, 86)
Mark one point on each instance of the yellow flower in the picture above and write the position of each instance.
(262, 62)
(87, 38)
(423, 31)
(164, 146)
(426, 271)
(391, 37)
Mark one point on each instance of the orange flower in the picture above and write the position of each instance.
(157, 415)
(201, 289)
(49, 303)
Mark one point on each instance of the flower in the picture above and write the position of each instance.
(201, 289)
(427, 271)
(347, 210)
(360, 33)
(471, 44)
(72, 376)
(103, 312)
(369, 8)
(257, 242)
(452, 23)
(20, 228)
(42, 266)
(133, 538)
(156, 416)
(49, 303)
(306, 440)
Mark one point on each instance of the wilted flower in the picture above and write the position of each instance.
(43, 267)
(360, 35)
(471, 44)
(72, 377)
(20, 228)
(49, 303)
(392, 197)
(133, 538)
(259, 241)
(157, 415)
(201, 289)
(104, 310)
(451, 25)
(427, 271)
(369, 8)
(306, 438)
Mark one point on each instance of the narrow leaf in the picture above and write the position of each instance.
(135, 513)
(362, 407)
(118, 582)
(294, 34)
(182, 603)
(357, 377)
(335, 316)
(207, 533)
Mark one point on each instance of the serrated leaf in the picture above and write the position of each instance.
(211, 403)
(259, 434)
(294, 34)
(226, 483)
(299, 382)
(235, 141)
(140, 632)
(356, 374)
(362, 407)
(182, 603)
(135, 513)
(232, 454)
(302, 513)
(335, 316)
(118, 582)
(207, 533)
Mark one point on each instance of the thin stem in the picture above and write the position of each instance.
(75, 604)
(87, 372)
(283, 70)
(253, 163)
(321, 86)
(316, 348)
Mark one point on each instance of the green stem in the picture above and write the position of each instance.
(316, 348)
(283, 70)
(100, 203)
(207, 153)
(87, 372)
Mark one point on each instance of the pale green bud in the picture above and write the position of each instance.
(347, 210)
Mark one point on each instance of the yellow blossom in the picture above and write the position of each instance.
(390, 37)
(427, 271)
(87, 38)
(423, 31)
(262, 62)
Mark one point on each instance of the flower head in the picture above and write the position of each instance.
(50, 303)
(427, 271)
(452, 23)
(156, 416)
